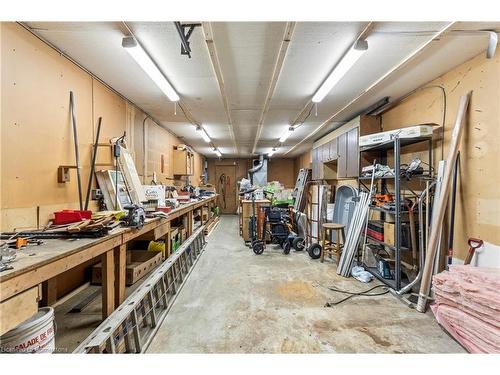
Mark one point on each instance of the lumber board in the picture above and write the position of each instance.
(438, 214)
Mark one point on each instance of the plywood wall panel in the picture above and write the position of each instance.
(282, 170)
(36, 128)
(36, 133)
(303, 161)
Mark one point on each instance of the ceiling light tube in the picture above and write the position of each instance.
(340, 70)
(287, 134)
(146, 63)
(203, 133)
(217, 152)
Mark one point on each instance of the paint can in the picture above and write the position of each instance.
(35, 335)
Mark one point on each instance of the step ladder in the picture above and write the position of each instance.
(131, 327)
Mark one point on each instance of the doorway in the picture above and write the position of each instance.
(225, 182)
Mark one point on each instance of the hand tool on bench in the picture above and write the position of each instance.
(474, 243)
(21, 242)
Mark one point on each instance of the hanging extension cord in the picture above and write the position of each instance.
(354, 294)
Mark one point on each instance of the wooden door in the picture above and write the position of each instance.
(225, 183)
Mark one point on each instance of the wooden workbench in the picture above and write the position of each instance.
(36, 265)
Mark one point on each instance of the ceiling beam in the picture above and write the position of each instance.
(214, 58)
(278, 66)
(387, 75)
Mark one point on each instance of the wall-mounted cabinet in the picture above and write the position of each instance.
(336, 155)
(183, 163)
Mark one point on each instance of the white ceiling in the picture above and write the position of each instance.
(247, 53)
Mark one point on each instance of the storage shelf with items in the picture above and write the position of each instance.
(397, 210)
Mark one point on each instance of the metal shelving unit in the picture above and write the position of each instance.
(382, 149)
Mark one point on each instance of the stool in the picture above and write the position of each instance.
(327, 246)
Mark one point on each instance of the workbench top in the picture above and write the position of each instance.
(256, 201)
(33, 256)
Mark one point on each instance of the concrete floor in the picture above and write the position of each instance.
(238, 302)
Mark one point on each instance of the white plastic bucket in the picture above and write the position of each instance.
(35, 335)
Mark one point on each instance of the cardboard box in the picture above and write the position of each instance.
(182, 234)
(155, 193)
(141, 262)
(389, 237)
(390, 234)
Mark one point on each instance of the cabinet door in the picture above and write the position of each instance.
(352, 153)
(333, 149)
(179, 163)
(326, 152)
(342, 159)
(191, 164)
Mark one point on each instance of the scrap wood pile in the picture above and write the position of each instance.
(98, 226)
(467, 305)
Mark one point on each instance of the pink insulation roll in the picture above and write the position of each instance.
(467, 305)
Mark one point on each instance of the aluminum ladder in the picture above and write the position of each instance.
(131, 327)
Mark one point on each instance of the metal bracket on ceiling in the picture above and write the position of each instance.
(181, 29)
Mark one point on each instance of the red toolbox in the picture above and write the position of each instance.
(71, 216)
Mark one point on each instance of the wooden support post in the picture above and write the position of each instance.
(189, 228)
(120, 260)
(108, 284)
(168, 243)
(49, 292)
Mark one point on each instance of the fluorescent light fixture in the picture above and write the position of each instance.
(217, 152)
(286, 134)
(271, 153)
(203, 133)
(340, 70)
(492, 44)
(146, 63)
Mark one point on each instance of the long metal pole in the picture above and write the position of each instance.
(397, 188)
(92, 166)
(77, 153)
